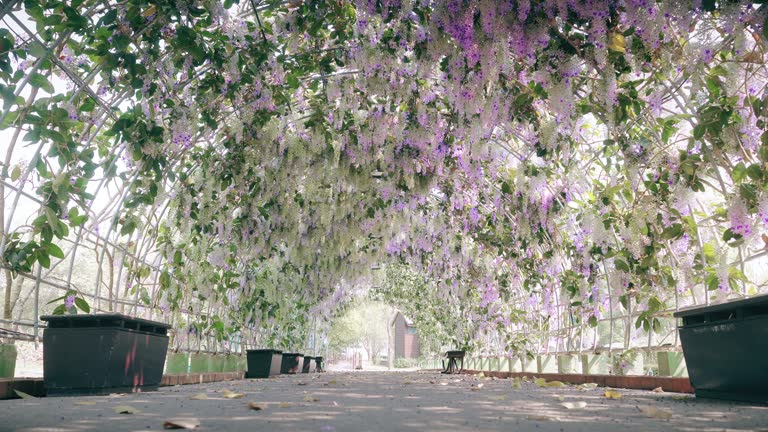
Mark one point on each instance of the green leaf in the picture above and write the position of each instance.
(739, 172)
(55, 251)
(37, 49)
(40, 81)
(60, 310)
(82, 305)
(755, 172)
(43, 258)
(621, 265)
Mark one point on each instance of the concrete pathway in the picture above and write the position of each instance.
(382, 401)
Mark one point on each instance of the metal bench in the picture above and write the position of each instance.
(453, 358)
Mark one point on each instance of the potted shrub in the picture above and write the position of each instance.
(309, 364)
(263, 363)
(102, 353)
(725, 346)
(292, 363)
(319, 365)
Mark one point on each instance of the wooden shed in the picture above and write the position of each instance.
(406, 337)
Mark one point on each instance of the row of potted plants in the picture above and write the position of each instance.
(106, 353)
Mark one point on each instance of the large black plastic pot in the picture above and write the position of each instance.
(104, 353)
(309, 365)
(726, 349)
(319, 364)
(263, 363)
(292, 363)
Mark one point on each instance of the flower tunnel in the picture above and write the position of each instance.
(539, 176)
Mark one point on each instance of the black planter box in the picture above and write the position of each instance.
(263, 363)
(319, 364)
(292, 363)
(309, 365)
(726, 349)
(104, 353)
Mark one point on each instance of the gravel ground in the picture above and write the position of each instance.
(382, 401)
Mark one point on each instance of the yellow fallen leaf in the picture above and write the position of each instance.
(587, 386)
(658, 390)
(181, 423)
(516, 384)
(310, 398)
(654, 412)
(332, 382)
(407, 382)
(574, 405)
(285, 405)
(199, 396)
(554, 384)
(540, 382)
(612, 394)
(23, 395)
(480, 375)
(229, 394)
(254, 406)
(125, 409)
(498, 398)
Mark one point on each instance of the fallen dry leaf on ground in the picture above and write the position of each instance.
(199, 396)
(555, 384)
(612, 394)
(310, 398)
(254, 406)
(285, 405)
(654, 412)
(125, 409)
(85, 403)
(181, 423)
(587, 386)
(559, 397)
(301, 383)
(498, 398)
(229, 394)
(540, 382)
(516, 384)
(681, 397)
(539, 417)
(658, 390)
(574, 405)
(23, 395)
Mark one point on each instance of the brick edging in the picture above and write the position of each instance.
(638, 382)
(35, 387)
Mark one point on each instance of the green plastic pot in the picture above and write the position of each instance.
(232, 363)
(217, 363)
(177, 363)
(198, 362)
(8, 356)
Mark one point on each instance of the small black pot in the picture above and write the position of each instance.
(309, 365)
(101, 354)
(292, 363)
(263, 363)
(726, 348)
